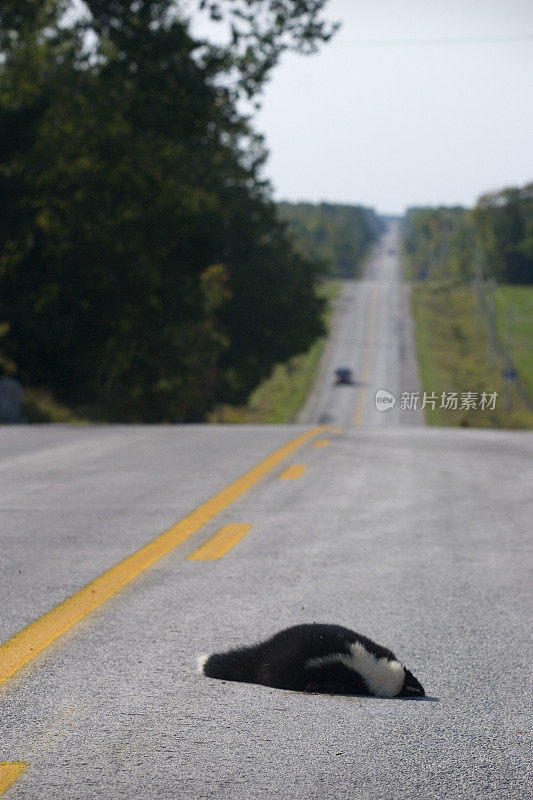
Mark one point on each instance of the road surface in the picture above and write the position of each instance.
(373, 336)
(418, 537)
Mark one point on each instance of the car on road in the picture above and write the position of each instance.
(343, 375)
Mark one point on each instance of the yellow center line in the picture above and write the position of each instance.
(368, 357)
(220, 543)
(9, 772)
(31, 640)
(292, 472)
(321, 443)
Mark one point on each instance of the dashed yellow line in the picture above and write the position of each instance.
(9, 772)
(23, 646)
(368, 357)
(293, 472)
(220, 543)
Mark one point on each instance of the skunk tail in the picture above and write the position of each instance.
(235, 665)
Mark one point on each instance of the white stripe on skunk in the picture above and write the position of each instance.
(316, 658)
(383, 677)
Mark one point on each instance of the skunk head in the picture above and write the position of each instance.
(383, 675)
(411, 687)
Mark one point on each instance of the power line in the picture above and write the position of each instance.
(451, 40)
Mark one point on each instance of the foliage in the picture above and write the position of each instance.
(279, 398)
(439, 242)
(259, 31)
(505, 223)
(143, 270)
(338, 235)
(493, 240)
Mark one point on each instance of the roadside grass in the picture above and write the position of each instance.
(280, 397)
(519, 301)
(453, 356)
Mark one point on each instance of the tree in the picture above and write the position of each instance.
(338, 235)
(505, 223)
(440, 241)
(143, 234)
(259, 32)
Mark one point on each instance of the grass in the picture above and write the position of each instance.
(453, 356)
(517, 301)
(279, 398)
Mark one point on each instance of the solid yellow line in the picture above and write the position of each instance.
(292, 472)
(220, 543)
(9, 772)
(368, 357)
(321, 443)
(31, 640)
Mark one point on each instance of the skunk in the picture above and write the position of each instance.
(316, 658)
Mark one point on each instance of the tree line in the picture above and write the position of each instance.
(144, 270)
(492, 240)
(338, 235)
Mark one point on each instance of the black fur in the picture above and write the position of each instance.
(281, 662)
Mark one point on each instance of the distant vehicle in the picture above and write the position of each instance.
(343, 375)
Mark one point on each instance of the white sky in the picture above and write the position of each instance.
(391, 126)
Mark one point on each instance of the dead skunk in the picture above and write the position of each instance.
(316, 658)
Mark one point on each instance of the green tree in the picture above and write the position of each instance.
(440, 242)
(505, 223)
(259, 32)
(143, 270)
(338, 235)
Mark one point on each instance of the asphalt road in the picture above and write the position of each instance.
(373, 336)
(417, 537)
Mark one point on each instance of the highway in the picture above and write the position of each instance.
(417, 537)
(372, 336)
